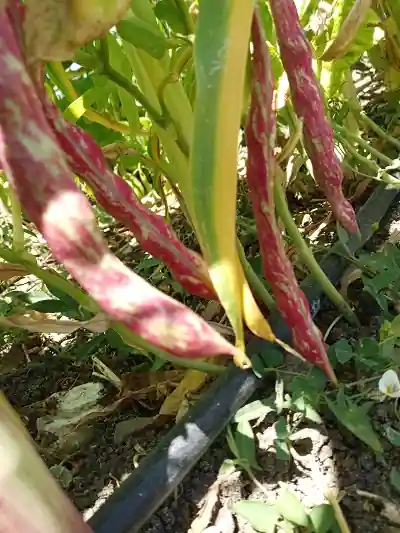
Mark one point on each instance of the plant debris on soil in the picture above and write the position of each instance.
(105, 449)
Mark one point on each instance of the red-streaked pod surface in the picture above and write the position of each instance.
(260, 137)
(296, 55)
(40, 175)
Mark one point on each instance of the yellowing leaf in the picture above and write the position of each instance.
(220, 54)
(348, 30)
(192, 382)
(41, 323)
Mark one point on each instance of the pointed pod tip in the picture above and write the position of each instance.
(241, 360)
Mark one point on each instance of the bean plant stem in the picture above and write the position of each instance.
(308, 257)
(254, 281)
(365, 120)
(363, 143)
(18, 228)
(183, 8)
(379, 174)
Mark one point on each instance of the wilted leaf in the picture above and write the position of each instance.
(258, 409)
(125, 428)
(290, 507)
(193, 381)
(40, 323)
(72, 407)
(8, 271)
(62, 474)
(261, 516)
(55, 29)
(224, 521)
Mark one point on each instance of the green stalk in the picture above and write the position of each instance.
(53, 279)
(363, 118)
(308, 257)
(255, 283)
(183, 8)
(18, 228)
(363, 143)
(379, 174)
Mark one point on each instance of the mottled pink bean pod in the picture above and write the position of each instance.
(40, 175)
(307, 100)
(260, 137)
(117, 197)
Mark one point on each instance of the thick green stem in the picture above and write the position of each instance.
(183, 8)
(363, 143)
(254, 281)
(308, 257)
(18, 228)
(381, 175)
(365, 120)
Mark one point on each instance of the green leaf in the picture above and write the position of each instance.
(246, 446)
(255, 410)
(143, 35)
(261, 516)
(51, 305)
(281, 428)
(392, 435)
(232, 442)
(343, 351)
(120, 63)
(394, 478)
(300, 405)
(282, 450)
(168, 11)
(322, 518)
(395, 326)
(272, 356)
(290, 507)
(115, 341)
(355, 419)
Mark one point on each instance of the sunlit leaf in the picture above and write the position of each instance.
(290, 507)
(355, 419)
(263, 517)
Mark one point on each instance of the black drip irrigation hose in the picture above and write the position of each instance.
(160, 472)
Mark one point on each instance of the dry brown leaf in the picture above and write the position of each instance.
(54, 29)
(8, 271)
(348, 30)
(212, 308)
(350, 275)
(150, 385)
(204, 515)
(192, 382)
(41, 323)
